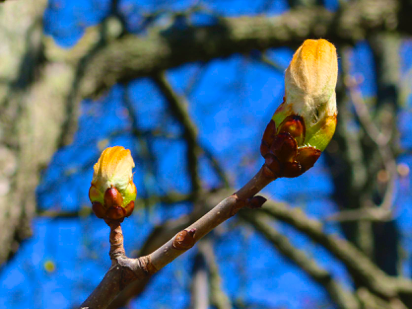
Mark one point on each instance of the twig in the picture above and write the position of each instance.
(178, 106)
(127, 270)
(143, 145)
(171, 198)
(116, 240)
(216, 166)
(368, 211)
(265, 59)
(161, 234)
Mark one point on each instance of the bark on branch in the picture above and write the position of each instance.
(125, 270)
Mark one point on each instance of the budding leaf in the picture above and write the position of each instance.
(307, 114)
(112, 190)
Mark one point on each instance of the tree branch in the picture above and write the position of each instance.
(127, 270)
(161, 234)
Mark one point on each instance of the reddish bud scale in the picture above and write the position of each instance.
(268, 137)
(283, 157)
(112, 198)
(295, 127)
(112, 209)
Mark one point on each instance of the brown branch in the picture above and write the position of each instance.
(127, 270)
(341, 297)
(161, 234)
(223, 211)
(132, 57)
(116, 240)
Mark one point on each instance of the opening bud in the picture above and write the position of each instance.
(112, 191)
(305, 122)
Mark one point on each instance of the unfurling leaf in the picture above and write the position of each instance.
(305, 122)
(112, 191)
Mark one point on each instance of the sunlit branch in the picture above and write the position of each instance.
(128, 270)
(371, 301)
(161, 234)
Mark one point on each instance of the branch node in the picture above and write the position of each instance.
(252, 203)
(184, 240)
(237, 205)
(146, 265)
(268, 173)
(127, 276)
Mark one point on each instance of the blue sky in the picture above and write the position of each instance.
(231, 103)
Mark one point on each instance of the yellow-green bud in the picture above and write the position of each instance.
(112, 191)
(305, 122)
(310, 82)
